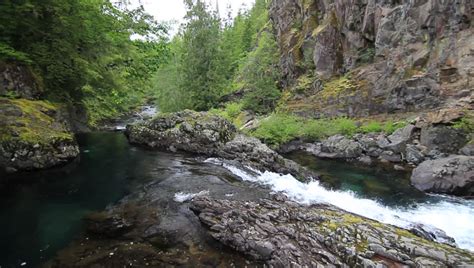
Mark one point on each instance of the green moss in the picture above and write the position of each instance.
(466, 123)
(339, 86)
(34, 125)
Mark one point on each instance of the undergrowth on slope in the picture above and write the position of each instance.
(280, 128)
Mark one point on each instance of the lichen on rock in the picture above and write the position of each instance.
(33, 135)
(282, 233)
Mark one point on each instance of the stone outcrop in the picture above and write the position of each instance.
(410, 145)
(33, 135)
(376, 56)
(431, 149)
(210, 135)
(282, 233)
(450, 175)
(18, 80)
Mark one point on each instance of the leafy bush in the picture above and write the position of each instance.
(371, 127)
(345, 126)
(278, 129)
(282, 128)
(231, 111)
(391, 126)
(466, 124)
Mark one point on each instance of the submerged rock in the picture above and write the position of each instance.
(33, 135)
(282, 233)
(210, 135)
(451, 175)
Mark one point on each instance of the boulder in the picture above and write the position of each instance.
(339, 146)
(282, 233)
(399, 139)
(210, 135)
(188, 131)
(34, 135)
(443, 138)
(413, 154)
(467, 150)
(451, 175)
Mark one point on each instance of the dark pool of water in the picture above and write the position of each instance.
(388, 186)
(44, 212)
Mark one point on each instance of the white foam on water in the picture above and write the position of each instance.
(454, 216)
(183, 197)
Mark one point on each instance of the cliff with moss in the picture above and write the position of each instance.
(361, 58)
(34, 133)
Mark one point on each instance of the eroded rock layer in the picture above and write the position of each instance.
(282, 233)
(362, 57)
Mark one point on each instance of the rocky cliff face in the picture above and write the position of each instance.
(365, 57)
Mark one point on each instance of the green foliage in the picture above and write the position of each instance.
(372, 127)
(209, 60)
(83, 51)
(278, 129)
(281, 128)
(201, 55)
(231, 111)
(259, 75)
(465, 124)
(390, 126)
(7, 53)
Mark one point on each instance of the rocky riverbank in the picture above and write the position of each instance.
(209, 135)
(440, 154)
(282, 233)
(34, 134)
(156, 226)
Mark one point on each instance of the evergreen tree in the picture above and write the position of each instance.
(199, 65)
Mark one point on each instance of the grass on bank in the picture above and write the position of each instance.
(281, 128)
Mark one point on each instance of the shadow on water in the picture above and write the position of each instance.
(44, 212)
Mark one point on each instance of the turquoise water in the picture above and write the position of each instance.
(44, 212)
(389, 187)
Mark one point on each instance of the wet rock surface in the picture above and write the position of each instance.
(34, 135)
(282, 233)
(154, 227)
(210, 135)
(451, 175)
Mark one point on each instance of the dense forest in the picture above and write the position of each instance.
(109, 60)
(211, 58)
(82, 52)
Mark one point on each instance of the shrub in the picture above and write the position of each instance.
(278, 129)
(345, 126)
(371, 127)
(391, 126)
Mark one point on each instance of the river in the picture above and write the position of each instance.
(42, 212)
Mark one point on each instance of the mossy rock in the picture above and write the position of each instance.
(33, 135)
(31, 121)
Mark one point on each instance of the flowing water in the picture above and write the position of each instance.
(41, 212)
(375, 193)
